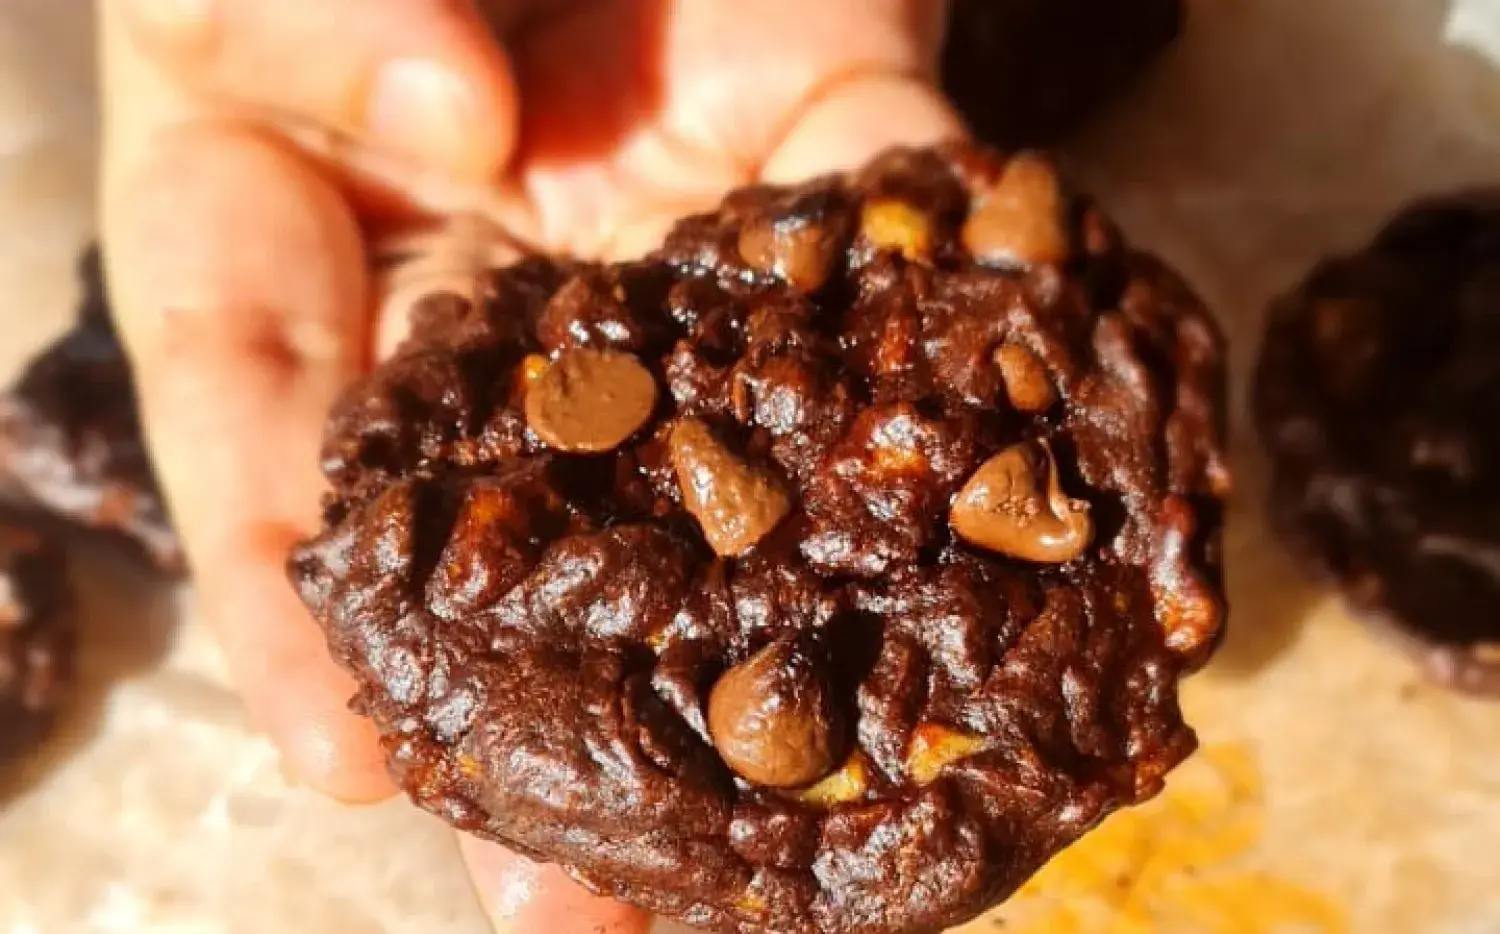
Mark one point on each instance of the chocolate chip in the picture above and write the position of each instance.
(1027, 383)
(1019, 220)
(799, 249)
(1006, 508)
(735, 503)
(772, 718)
(590, 401)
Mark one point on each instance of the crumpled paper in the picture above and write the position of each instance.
(1335, 793)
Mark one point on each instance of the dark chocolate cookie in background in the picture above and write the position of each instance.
(1026, 72)
(70, 435)
(1378, 398)
(36, 638)
(826, 571)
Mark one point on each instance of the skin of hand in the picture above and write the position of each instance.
(238, 259)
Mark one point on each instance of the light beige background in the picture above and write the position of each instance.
(1336, 793)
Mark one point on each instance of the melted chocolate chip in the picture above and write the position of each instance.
(773, 718)
(589, 401)
(735, 503)
(1014, 504)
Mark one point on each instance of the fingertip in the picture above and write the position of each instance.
(456, 114)
(334, 757)
(488, 142)
(856, 118)
(238, 277)
(425, 81)
(524, 897)
(279, 660)
(176, 28)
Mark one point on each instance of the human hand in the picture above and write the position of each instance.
(238, 264)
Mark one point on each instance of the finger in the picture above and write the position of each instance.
(718, 87)
(523, 897)
(423, 79)
(849, 122)
(838, 129)
(410, 264)
(756, 64)
(238, 277)
(280, 663)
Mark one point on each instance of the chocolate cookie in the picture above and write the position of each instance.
(1025, 72)
(70, 436)
(825, 571)
(1378, 397)
(36, 641)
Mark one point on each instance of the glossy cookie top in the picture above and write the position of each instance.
(826, 570)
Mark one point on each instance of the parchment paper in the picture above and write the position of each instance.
(1336, 793)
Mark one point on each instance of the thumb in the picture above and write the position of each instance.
(851, 121)
(420, 79)
(238, 279)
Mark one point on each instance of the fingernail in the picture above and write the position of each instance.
(178, 23)
(424, 111)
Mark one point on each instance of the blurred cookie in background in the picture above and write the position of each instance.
(1026, 72)
(70, 434)
(1378, 396)
(36, 636)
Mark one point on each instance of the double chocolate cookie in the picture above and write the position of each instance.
(1025, 72)
(36, 638)
(827, 570)
(1378, 397)
(70, 436)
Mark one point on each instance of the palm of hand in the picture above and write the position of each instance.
(633, 113)
(631, 118)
